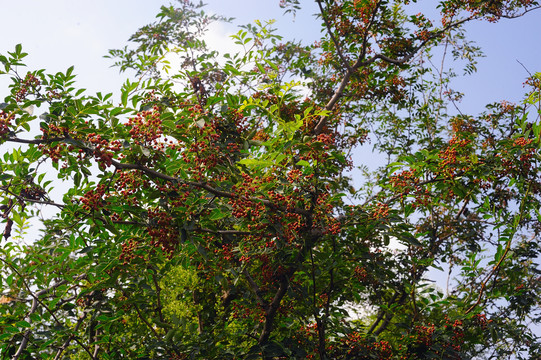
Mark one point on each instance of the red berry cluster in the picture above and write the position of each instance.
(260, 135)
(366, 84)
(94, 199)
(355, 345)
(128, 253)
(445, 341)
(317, 153)
(53, 94)
(451, 161)
(404, 181)
(241, 311)
(527, 151)
(5, 122)
(333, 227)
(163, 232)
(327, 139)
(457, 339)
(424, 334)
(128, 184)
(54, 131)
(53, 150)
(323, 214)
(146, 128)
(294, 175)
(243, 207)
(33, 193)
(29, 82)
(103, 149)
(491, 11)
(407, 183)
(203, 155)
(227, 253)
(463, 125)
(519, 158)
(381, 211)
(360, 273)
(482, 321)
(216, 141)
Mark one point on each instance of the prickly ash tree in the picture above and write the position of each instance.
(209, 213)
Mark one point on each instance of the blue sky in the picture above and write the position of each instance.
(61, 33)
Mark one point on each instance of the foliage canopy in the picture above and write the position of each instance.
(210, 213)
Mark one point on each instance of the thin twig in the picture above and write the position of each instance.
(70, 338)
(496, 267)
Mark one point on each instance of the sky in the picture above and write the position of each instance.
(60, 33)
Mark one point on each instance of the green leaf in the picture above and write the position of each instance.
(124, 97)
(217, 214)
(303, 163)
(9, 279)
(256, 162)
(22, 324)
(5, 336)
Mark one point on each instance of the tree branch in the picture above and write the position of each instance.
(360, 63)
(202, 185)
(272, 308)
(496, 267)
(70, 338)
(35, 301)
(388, 316)
(333, 38)
(257, 291)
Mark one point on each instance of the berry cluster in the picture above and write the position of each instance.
(444, 341)
(241, 311)
(482, 321)
(128, 184)
(526, 150)
(242, 206)
(33, 193)
(163, 232)
(360, 274)
(381, 211)
(356, 345)
(451, 160)
(519, 158)
(128, 253)
(29, 82)
(103, 149)
(216, 142)
(404, 182)
(146, 128)
(5, 122)
(463, 125)
(94, 200)
(53, 150)
(492, 11)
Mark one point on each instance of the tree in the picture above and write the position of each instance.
(209, 214)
